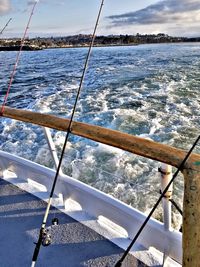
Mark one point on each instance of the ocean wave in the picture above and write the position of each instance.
(149, 91)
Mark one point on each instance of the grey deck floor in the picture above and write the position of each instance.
(73, 244)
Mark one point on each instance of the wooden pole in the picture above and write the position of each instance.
(191, 218)
(127, 142)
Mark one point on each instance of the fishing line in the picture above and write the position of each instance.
(43, 227)
(119, 263)
(176, 206)
(1, 32)
(17, 58)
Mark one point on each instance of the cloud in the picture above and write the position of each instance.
(165, 11)
(5, 6)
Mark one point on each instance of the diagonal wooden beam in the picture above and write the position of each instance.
(127, 142)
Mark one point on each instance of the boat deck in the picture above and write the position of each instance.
(73, 244)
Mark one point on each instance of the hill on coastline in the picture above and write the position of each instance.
(82, 40)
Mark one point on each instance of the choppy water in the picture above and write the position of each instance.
(148, 90)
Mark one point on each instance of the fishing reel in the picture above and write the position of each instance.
(55, 221)
(46, 238)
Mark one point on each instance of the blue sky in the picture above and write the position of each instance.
(65, 17)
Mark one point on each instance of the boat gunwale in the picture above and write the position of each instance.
(134, 144)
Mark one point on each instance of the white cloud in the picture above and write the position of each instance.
(165, 14)
(4, 6)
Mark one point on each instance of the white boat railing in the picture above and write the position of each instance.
(165, 171)
(146, 148)
(95, 204)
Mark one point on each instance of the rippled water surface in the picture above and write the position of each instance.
(150, 91)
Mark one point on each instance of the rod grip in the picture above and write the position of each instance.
(37, 247)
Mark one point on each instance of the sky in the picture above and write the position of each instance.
(68, 17)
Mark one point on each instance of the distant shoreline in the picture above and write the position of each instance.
(30, 48)
(119, 45)
(17, 48)
(84, 40)
(86, 46)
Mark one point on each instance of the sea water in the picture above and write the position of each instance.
(151, 91)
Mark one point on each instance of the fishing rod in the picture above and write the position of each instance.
(44, 238)
(119, 263)
(17, 59)
(1, 32)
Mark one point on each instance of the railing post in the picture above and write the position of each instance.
(166, 176)
(191, 217)
(52, 147)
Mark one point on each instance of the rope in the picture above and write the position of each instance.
(171, 200)
(119, 263)
(39, 242)
(176, 206)
(17, 59)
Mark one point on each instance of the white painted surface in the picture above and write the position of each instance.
(91, 204)
(166, 176)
